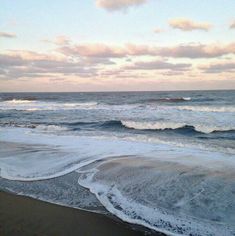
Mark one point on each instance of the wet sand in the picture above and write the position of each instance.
(25, 216)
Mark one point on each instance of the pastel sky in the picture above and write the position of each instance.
(116, 45)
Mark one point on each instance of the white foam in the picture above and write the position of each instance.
(19, 101)
(51, 128)
(187, 98)
(152, 125)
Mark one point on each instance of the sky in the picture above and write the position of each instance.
(116, 45)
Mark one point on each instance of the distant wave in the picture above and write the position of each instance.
(177, 99)
(208, 108)
(36, 105)
(19, 101)
(14, 99)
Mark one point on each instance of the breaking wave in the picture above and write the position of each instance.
(146, 125)
(123, 124)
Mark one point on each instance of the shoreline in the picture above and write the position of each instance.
(22, 215)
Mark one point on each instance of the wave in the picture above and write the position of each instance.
(20, 101)
(156, 125)
(167, 99)
(24, 98)
(36, 105)
(160, 125)
(122, 124)
(207, 108)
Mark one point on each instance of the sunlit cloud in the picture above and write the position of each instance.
(7, 35)
(189, 25)
(114, 5)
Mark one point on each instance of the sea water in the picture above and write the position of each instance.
(164, 160)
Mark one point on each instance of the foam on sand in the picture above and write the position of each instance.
(166, 195)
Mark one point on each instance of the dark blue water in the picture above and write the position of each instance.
(200, 118)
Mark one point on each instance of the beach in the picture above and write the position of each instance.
(21, 215)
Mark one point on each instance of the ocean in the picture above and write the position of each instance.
(164, 160)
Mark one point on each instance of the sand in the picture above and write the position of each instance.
(20, 215)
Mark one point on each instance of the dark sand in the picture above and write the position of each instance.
(25, 216)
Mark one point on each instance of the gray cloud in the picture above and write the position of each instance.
(159, 65)
(7, 35)
(232, 25)
(219, 68)
(197, 51)
(23, 65)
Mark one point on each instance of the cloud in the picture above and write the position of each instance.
(232, 25)
(192, 51)
(159, 65)
(94, 50)
(219, 68)
(18, 64)
(7, 60)
(188, 25)
(158, 30)
(59, 40)
(114, 5)
(96, 60)
(7, 35)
